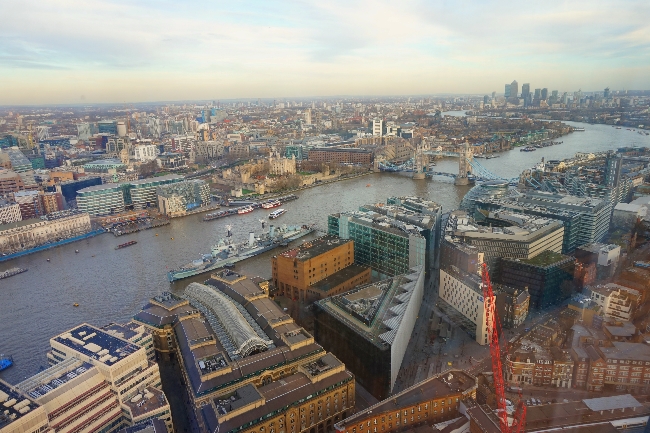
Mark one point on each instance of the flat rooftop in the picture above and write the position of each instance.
(414, 202)
(13, 404)
(381, 222)
(448, 383)
(277, 395)
(545, 259)
(150, 400)
(629, 351)
(621, 329)
(158, 179)
(97, 344)
(52, 378)
(314, 248)
(339, 277)
(154, 425)
(425, 221)
(102, 187)
(163, 310)
(520, 227)
(374, 310)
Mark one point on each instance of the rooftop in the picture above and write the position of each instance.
(339, 277)
(374, 310)
(97, 344)
(629, 351)
(518, 227)
(147, 401)
(277, 395)
(381, 222)
(419, 204)
(545, 259)
(48, 380)
(314, 248)
(102, 187)
(154, 425)
(568, 416)
(14, 404)
(164, 309)
(159, 179)
(401, 213)
(621, 329)
(448, 383)
(241, 335)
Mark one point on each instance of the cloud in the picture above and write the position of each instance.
(217, 49)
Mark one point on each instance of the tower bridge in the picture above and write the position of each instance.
(469, 169)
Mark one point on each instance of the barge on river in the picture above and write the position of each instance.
(11, 272)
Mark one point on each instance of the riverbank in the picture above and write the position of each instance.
(313, 185)
(52, 245)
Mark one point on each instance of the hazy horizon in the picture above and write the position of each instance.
(103, 51)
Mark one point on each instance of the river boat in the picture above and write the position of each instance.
(126, 244)
(245, 209)
(6, 362)
(220, 214)
(273, 215)
(271, 204)
(579, 129)
(227, 252)
(11, 272)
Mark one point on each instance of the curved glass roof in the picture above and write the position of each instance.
(240, 332)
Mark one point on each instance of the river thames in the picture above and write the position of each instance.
(112, 285)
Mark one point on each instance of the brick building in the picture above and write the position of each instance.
(317, 269)
(342, 156)
(431, 401)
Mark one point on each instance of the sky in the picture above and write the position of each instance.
(119, 51)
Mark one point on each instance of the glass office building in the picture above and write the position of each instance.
(388, 246)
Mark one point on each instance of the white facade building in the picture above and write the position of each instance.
(377, 127)
(617, 302)
(145, 152)
(465, 295)
(9, 213)
(27, 234)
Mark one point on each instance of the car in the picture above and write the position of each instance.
(508, 402)
(527, 402)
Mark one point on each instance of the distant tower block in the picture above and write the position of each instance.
(463, 165)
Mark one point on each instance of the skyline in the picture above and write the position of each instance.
(103, 51)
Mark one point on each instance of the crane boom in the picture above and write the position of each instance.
(493, 328)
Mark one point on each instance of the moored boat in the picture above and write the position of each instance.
(6, 362)
(271, 204)
(245, 209)
(11, 272)
(126, 244)
(226, 253)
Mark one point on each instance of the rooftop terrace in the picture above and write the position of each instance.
(374, 310)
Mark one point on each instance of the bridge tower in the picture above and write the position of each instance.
(418, 166)
(463, 165)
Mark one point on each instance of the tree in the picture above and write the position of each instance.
(148, 169)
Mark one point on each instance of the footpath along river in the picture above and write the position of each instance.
(112, 285)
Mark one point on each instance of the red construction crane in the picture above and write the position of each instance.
(494, 331)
